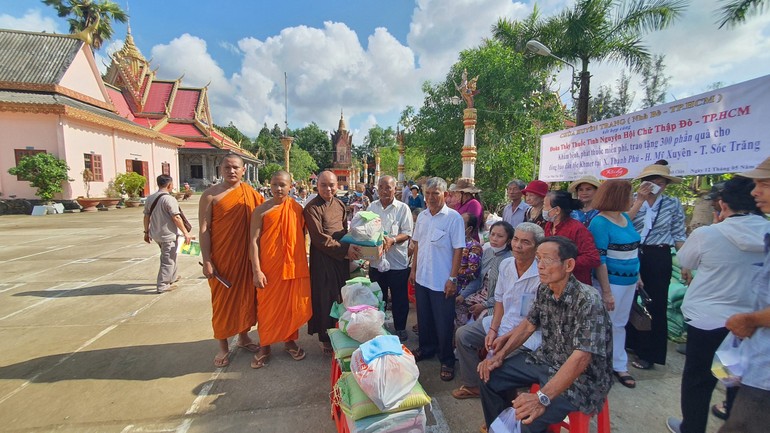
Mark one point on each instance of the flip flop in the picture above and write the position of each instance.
(447, 373)
(222, 362)
(298, 354)
(643, 365)
(251, 347)
(625, 379)
(464, 392)
(719, 411)
(260, 361)
(327, 350)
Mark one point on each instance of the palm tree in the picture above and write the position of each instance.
(735, 11)
(597, 30)
(92, 19)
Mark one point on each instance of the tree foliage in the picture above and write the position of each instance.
(266, 172)
(316, 142)
(654, 82)
(301, 163)
(83, 13)
(268, 144)
(233, 132)
(734, 12)
(414, 162)
(44, 172)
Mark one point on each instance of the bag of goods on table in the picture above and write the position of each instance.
(385, 370)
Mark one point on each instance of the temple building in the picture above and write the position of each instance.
(170, 108)
(342, 143)
(53, 100)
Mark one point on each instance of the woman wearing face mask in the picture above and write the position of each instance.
(534, 194)
(415, 198)
(584, 190)
(477, 299)
(557, 207)
(659, 219)
(358, 201)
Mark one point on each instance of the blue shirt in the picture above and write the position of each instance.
(755, 350)
(618, 249)
(584, 217)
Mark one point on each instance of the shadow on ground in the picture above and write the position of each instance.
(102, 289)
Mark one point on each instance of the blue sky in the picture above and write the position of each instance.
(370, 57)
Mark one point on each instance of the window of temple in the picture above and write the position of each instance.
(165, 168)
(196, 171)
(94, 163)
(21, 153)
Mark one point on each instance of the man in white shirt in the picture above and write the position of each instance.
(515, 210)
(515, 291)
(439, 239)
(397, 225)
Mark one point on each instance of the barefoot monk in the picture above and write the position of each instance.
(280, 270)
(224, 213)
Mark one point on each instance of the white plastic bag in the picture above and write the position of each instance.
(365, 230)
(383, 265)
(358, 294)
(506, 422)
(727, 365)
(386, 380)
(364, 324)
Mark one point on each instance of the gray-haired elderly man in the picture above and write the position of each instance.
(439, 239)
(513, 213)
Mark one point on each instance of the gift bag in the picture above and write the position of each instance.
(506, 422)
(728, 365)
(385, 370)
(362, 323)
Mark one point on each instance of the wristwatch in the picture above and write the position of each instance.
(453, 280)
(544, 400)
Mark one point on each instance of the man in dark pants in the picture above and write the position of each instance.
(439, 239)
(397, 224)
(573, 365)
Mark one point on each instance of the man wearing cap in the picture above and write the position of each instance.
(469, 202)
(659, 219)
(514, 211)
(750, 412)
(584, 190)
(535, 194)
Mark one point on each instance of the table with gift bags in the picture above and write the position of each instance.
(374, 378)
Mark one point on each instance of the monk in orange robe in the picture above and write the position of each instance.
(280, 269)
(224, 213)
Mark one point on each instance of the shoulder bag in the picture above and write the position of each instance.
(185, 222)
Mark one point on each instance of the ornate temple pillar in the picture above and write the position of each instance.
(376, 165)
(400, 139)
(468, 153)
(366, 172)
(286, 142)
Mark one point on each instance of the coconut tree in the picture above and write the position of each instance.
(735, 11)
(596, 30)
(92, 19)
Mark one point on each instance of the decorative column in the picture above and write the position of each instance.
(286, 141)
(376, 165)
(366, 172)
(400, 139)
(468, 90)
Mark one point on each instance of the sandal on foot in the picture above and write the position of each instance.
(298, 354)
(447, 373)
(251, 347)
(625, 379)
(327, 349)
(222, 362)
(259, 361)
(419, 355)
(643, 365)
(464, 392)
(719, 411)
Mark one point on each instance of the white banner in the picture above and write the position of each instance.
(716, 132)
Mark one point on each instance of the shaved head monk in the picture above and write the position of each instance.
(223, 214)
(280, 270)
(326, 221)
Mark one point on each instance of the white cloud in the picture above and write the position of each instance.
(31, 21)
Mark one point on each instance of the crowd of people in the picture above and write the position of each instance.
(545, 302)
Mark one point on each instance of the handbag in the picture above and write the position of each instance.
(185, 222)
(640, 318)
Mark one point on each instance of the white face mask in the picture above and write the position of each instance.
(497, 249)
(547, 216)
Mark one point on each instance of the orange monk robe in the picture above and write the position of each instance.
(234, 309)
(284, 304)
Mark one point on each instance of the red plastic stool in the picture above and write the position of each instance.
(578, 422)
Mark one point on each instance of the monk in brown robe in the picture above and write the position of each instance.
(325, 218)
(223, 215)
(280, 270)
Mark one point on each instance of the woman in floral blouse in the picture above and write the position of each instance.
(470, 264)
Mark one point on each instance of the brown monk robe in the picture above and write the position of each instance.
(326, 223)
(224, 213)
(281, 272)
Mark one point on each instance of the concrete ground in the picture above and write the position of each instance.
(86, 345)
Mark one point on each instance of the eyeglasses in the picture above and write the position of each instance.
(547, 261)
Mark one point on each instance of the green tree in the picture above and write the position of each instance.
(301, 163)
(735, 11)
(602, 106)
(266, 172)
(414, 162)
(233, 132)
(93, 17)
(597, 30)
(654, 82)
(625, 97)
(44, 172)
(268, 146)
(316, 142)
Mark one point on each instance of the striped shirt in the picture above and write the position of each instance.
(618, 249)
(668, 224)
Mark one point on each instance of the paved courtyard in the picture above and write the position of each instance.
(86, 345)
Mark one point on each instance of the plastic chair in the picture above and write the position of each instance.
(578, 422)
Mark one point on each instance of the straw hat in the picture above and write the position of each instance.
(663, 171)
(464, 184)
(536, 187)
(591, 180)
(762, 171)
